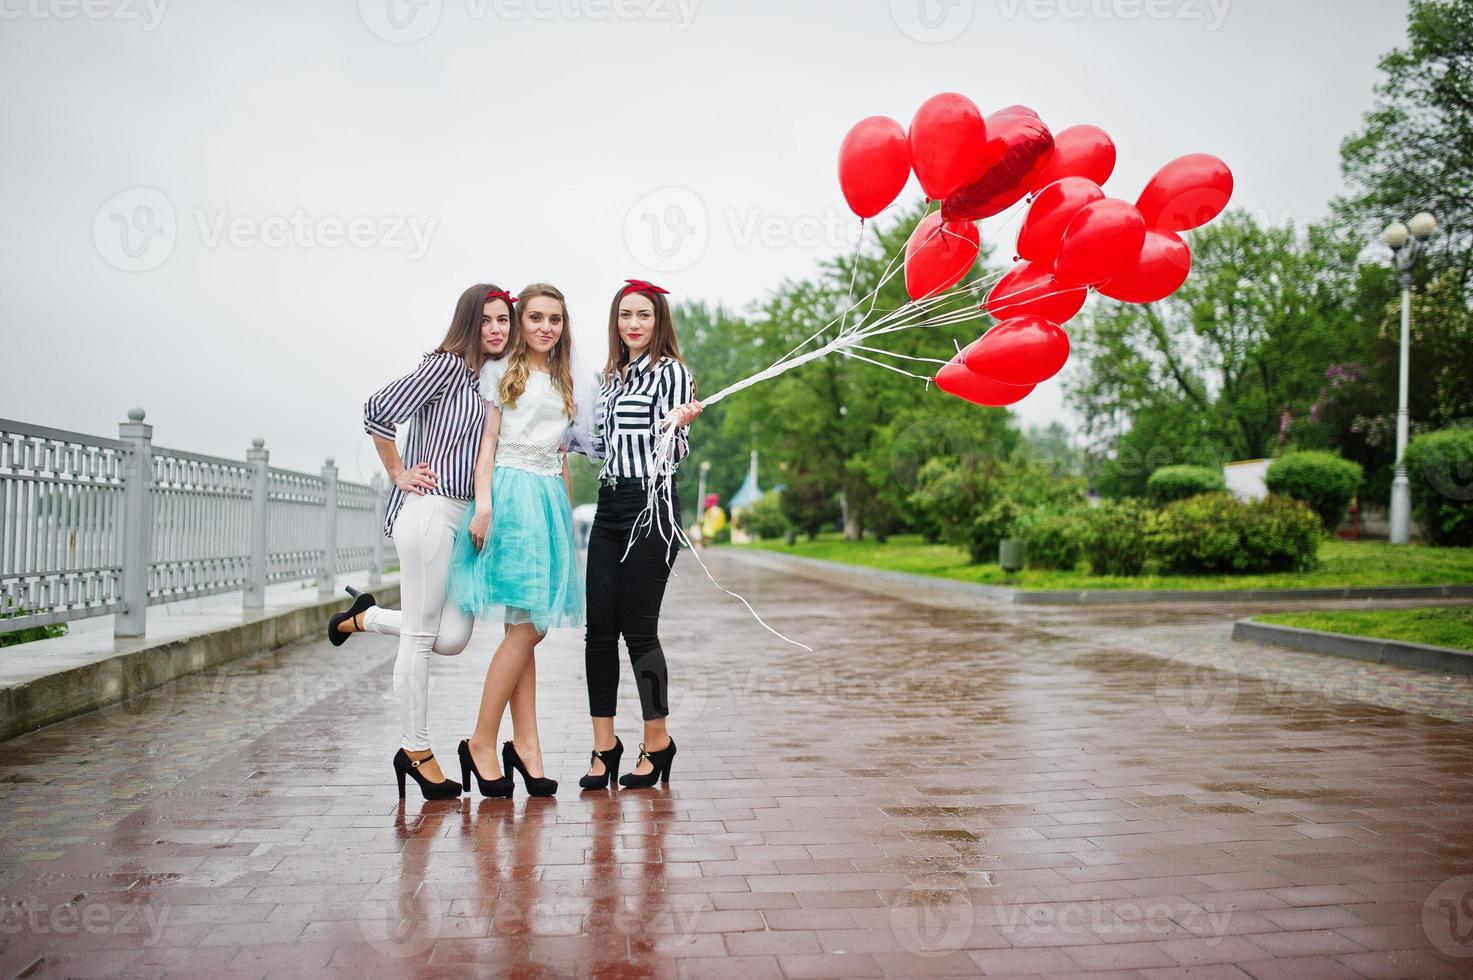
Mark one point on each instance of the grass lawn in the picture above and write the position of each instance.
(1444, 627)
(1342, 563)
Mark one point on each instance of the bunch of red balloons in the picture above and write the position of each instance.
(1074, 238)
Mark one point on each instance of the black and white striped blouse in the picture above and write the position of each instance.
(632, 412)
(443, 405)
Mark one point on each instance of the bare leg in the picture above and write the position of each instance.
(524, 718)
(508, 663)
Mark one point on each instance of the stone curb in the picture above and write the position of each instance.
(1444, 660)
(886, 582)
(55, 697)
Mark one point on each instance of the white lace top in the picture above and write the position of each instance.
(532, 434)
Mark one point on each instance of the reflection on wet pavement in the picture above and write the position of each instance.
(933, 791)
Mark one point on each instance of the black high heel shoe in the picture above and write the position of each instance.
(361, 601)
(489, 787)
(660, 759)
(610, 759)
(445, 789)
(536, 785)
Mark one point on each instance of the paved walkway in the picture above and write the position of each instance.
(999, 791)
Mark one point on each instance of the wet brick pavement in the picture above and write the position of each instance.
(1116, 792)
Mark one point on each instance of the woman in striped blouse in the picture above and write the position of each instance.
(434, 484)
(646, 389)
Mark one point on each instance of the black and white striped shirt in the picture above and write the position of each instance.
(632, 412)
(443, 405)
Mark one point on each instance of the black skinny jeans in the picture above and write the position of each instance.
(623, 598)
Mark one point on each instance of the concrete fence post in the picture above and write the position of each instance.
(380, 498)
(327, 577)
(259, 457)
(137, 524)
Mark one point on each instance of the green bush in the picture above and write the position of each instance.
(1323, 480)
(1216, 533)
(1440, 468)
(1052, 540)
(1112, 536)
(764, 517)
(1180, 482)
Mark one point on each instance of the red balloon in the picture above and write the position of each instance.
(1018, 145)
(1029, 289)
(1160, 270)
(1079, 151)
(1186, 193)
(938, 254)
(874, 164)
(955, 379)
(1049, 215)
(948, 138)
(1102, 240)
(1022, 351)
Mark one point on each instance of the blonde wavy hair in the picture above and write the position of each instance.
(559, 359)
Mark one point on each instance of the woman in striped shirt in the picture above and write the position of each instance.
(646, 389)
(434, 484)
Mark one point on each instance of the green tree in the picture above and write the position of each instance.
(1414, 151)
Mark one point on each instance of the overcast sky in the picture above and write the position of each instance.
(246, 216)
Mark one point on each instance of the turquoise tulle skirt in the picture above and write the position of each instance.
(529, 567)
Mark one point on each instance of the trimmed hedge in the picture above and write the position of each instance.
(1113, 537)
(1323, 480)
(1440, 469)
(1180, 482)
(1217, 533)
(1052, 541)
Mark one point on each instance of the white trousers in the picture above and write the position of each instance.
(424, 621)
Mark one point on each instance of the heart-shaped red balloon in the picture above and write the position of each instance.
(1029, 289)
(948, 139)
(1050, 213)
(1018, 145)
(1103, 239)
(874, 164)
(938, 254)
(1079, 151)
(1160, 270)
(955, 379)
(1022, 351)
(1186, 193)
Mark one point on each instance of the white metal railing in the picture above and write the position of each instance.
(92, 526)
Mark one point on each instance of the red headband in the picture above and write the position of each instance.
(641, 286)
(500, 294)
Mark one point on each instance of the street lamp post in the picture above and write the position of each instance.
(1406, 241)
